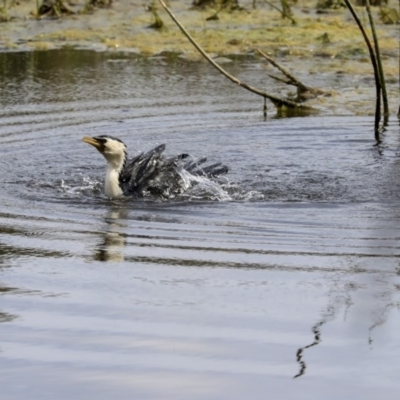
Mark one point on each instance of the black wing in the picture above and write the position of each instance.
(153, 173)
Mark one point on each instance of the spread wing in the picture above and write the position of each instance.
(153, 173)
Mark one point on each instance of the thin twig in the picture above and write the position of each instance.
(286, 82)
(304, 92)
(277, 101)
(284, 71)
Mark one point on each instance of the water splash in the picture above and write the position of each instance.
(202, 188)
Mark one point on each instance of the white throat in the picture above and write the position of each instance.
(111, 186)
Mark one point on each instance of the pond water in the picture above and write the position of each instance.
(281, 280)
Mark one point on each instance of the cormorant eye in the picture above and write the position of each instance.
(101, 140)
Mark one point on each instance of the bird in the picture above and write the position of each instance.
(150, 173)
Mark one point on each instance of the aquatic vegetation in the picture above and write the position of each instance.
(53, 8)
(4, 16)
(389, 16)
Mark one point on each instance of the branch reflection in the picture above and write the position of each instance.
(6, 317)
(339, 297)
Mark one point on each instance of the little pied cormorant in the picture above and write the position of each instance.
(148, 173)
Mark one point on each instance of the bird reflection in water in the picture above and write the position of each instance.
(111, 247)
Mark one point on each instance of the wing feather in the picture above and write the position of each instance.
(153, 173)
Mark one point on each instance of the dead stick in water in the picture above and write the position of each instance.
(374, 65)
(277, 101)
(379, 63)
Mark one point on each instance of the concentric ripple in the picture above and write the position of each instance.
(286, 268)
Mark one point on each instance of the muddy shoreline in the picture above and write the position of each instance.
(125, 27)
(318, 44)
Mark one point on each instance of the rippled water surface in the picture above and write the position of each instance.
(279, 281)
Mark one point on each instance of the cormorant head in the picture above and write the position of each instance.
(113, 149)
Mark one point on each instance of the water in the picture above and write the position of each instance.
(282, 280)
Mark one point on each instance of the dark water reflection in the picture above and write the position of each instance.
(287, 268)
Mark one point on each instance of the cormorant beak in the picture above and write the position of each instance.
(94, 142)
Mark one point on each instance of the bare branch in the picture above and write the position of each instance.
(277, 101)
(303, 92)
(284, 71)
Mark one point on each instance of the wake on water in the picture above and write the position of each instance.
(197, 188)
